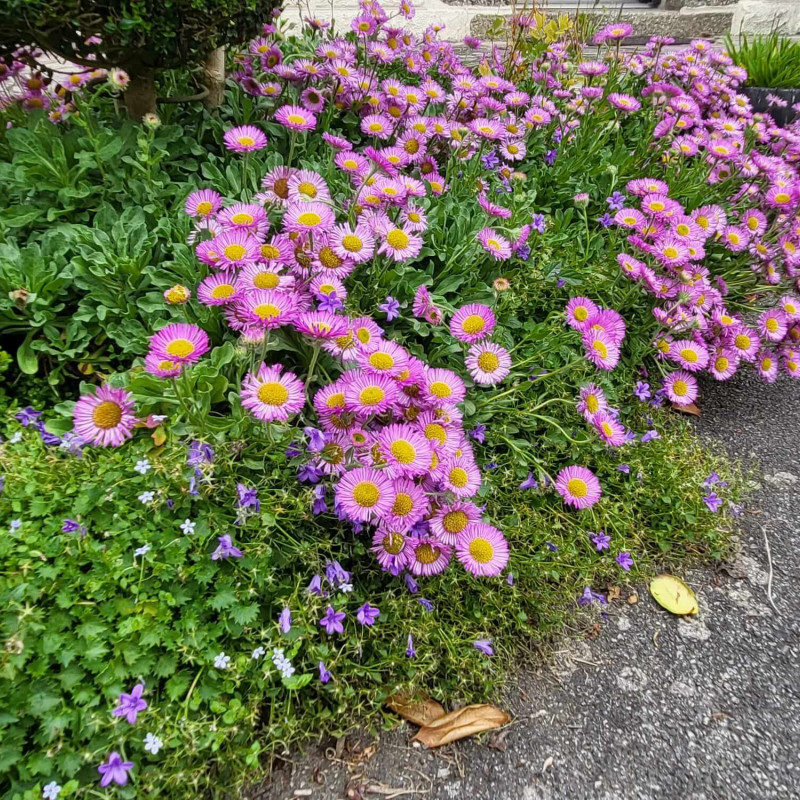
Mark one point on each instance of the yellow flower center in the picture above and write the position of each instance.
(455, 521)
(335, 400)
(296, 119)
(670, 252)
(309, 219)
(742, 341)
(577, 487)
(371, 396)
(600, 348)
(397, 239)
(242, 219)
(581, 313)
(267, 311)
(683, 229)
(680, 388)
(329, 259)
(403, 504)
(177, 294)
(107, 415)
(204, 208)
(474, 323)
(375, 127)
(436, 432)
(270, 252)
(440, 389)
(782, 197)
(488, 361)
(246, 141)
(366, 494)
(592, 403)
(307, 188)
(364, 336)
(235, 252)
(766, 364)
(607, 429)
(180, 348)
(273, 394)
(481, 550)
(689, 355)
(352, 243)
(721, 364)
(403, 451)
(459, 477)
(771, 324)
(266, 280)
(381, 361)
(656, 205)
(222, 291)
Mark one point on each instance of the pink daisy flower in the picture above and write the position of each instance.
(493, 243)
(578, 486)
(773, 324)
(364, 494)
(307, 185)
(624, 102)
(203, 203)
(180, 342)
(611, 430)
(400, 244)
(488, 363)
(272, 395)
(472, 323)
(444, 386)
(105, 418)
(351, 162)
(601, 350)
(235, 248)
(483, 550)
(461, 476)
(744, 342)
(162, 367)
(723, 364)
(377, 125)
(608, 321)
(405, 450)
(264, 276)
(681, 388)
(367, 395)
(579, 310)
(269, 308)
(308, 217)
(591, 400)
(430, 557)
(367, 332)
(387, 358)
(767, 366)
(296, 118)
(443, 438)
(690, 355)
(409, 506)
(244, 216)
(453, 520)
(218, 290)
(244, 139)
(321, 324)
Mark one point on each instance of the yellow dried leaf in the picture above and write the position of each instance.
(421, 711)
(85, 369)
(159, 436)
(690, 408)
(674, 595)
(459, 724)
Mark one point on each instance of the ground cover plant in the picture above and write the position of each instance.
(397, 353)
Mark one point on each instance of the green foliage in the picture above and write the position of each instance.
(135, 36)
(771, 61)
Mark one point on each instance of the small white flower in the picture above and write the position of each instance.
(346, 588)
(143, 466)
(15, 525)
(188, 526)
(258, 653)
(222, 661)
(158, 417)
(51, 791)
(142, 551)
(17, 437)
(146, 497)
(152, 743)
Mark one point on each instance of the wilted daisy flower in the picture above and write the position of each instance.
(681, 388)
(203, 203)
(118, 79)
(105, 417)
(429, 556)
(218, 289)
(392, 548)
(244, 139)
(483, 550)
(472, 323)
(272, 395)
(578, 486)
(364, 493)
(488, 363)
(180, 342)
(296, 118)
(494, 244)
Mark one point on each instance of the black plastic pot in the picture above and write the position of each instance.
(783, 116)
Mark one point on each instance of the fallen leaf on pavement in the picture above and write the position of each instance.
(689, 408)
(547, 764)
(674, 595)
(633, 599)
(497, 741)
(421, 711)
(461, 723)
(613, 593)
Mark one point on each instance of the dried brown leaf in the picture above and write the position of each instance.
(613, 593)
(690, 408)
(461, 723)
(421, 711)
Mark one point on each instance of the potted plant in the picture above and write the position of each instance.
(773, 73)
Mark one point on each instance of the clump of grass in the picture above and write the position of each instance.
(771, 61)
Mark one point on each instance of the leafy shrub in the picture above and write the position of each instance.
(771, 61)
